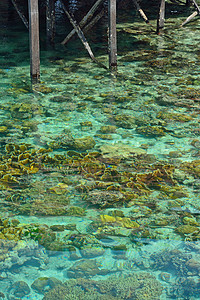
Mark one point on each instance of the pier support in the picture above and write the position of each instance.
(50, 21)
(161, 16)
(112, 38)
(34, 40)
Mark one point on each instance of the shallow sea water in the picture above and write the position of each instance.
(100, 174)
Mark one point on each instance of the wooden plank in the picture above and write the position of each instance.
(50, 21)
(161, 16)
(112, 38)
(34, 40)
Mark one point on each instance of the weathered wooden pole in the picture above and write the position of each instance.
(112, 38)
(50, 21)
(161, 16)
(34, 40)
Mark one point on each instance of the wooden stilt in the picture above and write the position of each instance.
(81, 36)
(34, 40)
(140, 11)
(21, 15)
(194, 14)
(196, 6)
(50, 21)
(87, 17)
(112, 39)
(161, 16)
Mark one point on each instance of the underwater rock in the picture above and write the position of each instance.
(105, 198)
(108, 129)
(25, 110)
(192, 168)
(119, 221)
(190, 221)
(57, 228)
(187, 229)
(43, 89)
(3, 129)
(81, 241)
(59, 99)
(92, 251)
(84, 143)
(68, 142)
(104, 136)
(193, 265)
(75, 211)
(151, 131)
(85, 268)
(59, 189)
(19, 289)
(86, 125)
(43, 284)
(124, 121)
(120, 150)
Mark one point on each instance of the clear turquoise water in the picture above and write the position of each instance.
(99, 174)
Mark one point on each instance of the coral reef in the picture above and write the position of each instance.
(139, 286)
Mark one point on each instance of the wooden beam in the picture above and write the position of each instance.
(21, 15)
(81, 35)
(196, 6)
(94, 21)
(141, 12)
(50, 21)
(87, 17)
(112, 38)
(161, 16)
(34, 40)
(194, 14)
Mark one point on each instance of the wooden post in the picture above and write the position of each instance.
(112, 38)
(161, 16)
(140, 11)
(50, 21)
(34, 40)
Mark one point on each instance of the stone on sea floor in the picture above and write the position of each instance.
(19, 289)
(43, 284)
(85, 143)
(124, 121)
(187, 229)
(108, 129)
(92, 251)
(85, 268)
(120, 150)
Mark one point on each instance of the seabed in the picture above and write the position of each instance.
(100, 174)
